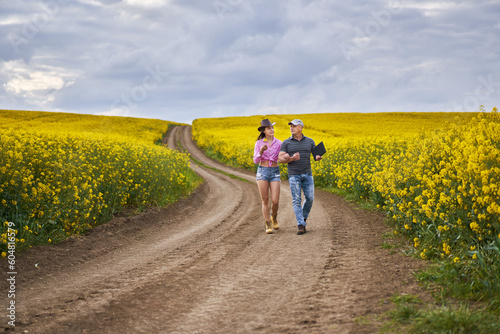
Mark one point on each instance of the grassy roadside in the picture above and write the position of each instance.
(412, 315)
(460, 304)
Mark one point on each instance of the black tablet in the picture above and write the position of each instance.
(319, 149)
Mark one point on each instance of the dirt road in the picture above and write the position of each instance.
(205, 265)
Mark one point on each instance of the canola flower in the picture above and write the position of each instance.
(63, 182)
(447, 184)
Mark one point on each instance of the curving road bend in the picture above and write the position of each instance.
(205, 265)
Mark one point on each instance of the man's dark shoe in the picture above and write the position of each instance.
(302, 230)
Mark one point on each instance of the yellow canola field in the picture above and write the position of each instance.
(436, 174)
(61, 174)
(99, 127)
(231, 139)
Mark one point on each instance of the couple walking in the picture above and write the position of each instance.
(296, 152)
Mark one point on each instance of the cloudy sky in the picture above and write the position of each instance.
(184, 59)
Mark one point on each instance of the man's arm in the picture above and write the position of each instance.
(285, 158)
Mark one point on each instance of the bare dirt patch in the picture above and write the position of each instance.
(205, 265)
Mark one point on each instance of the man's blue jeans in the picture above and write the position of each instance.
(304, 182)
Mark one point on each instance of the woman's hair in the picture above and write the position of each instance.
(261, 135)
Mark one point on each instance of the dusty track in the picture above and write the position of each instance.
(205, 265)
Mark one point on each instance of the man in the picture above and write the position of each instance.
(296, 152)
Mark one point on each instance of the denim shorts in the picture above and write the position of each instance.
(269, 174)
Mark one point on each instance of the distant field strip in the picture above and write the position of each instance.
(61, 174)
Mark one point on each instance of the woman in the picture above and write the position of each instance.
(265, 154)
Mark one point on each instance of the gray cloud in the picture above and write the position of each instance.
(180, 60)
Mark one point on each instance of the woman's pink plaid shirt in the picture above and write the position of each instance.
(271, 154)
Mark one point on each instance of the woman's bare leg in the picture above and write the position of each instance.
(264, 196)
(275, 197)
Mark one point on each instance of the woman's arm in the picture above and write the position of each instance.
(258, 151)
